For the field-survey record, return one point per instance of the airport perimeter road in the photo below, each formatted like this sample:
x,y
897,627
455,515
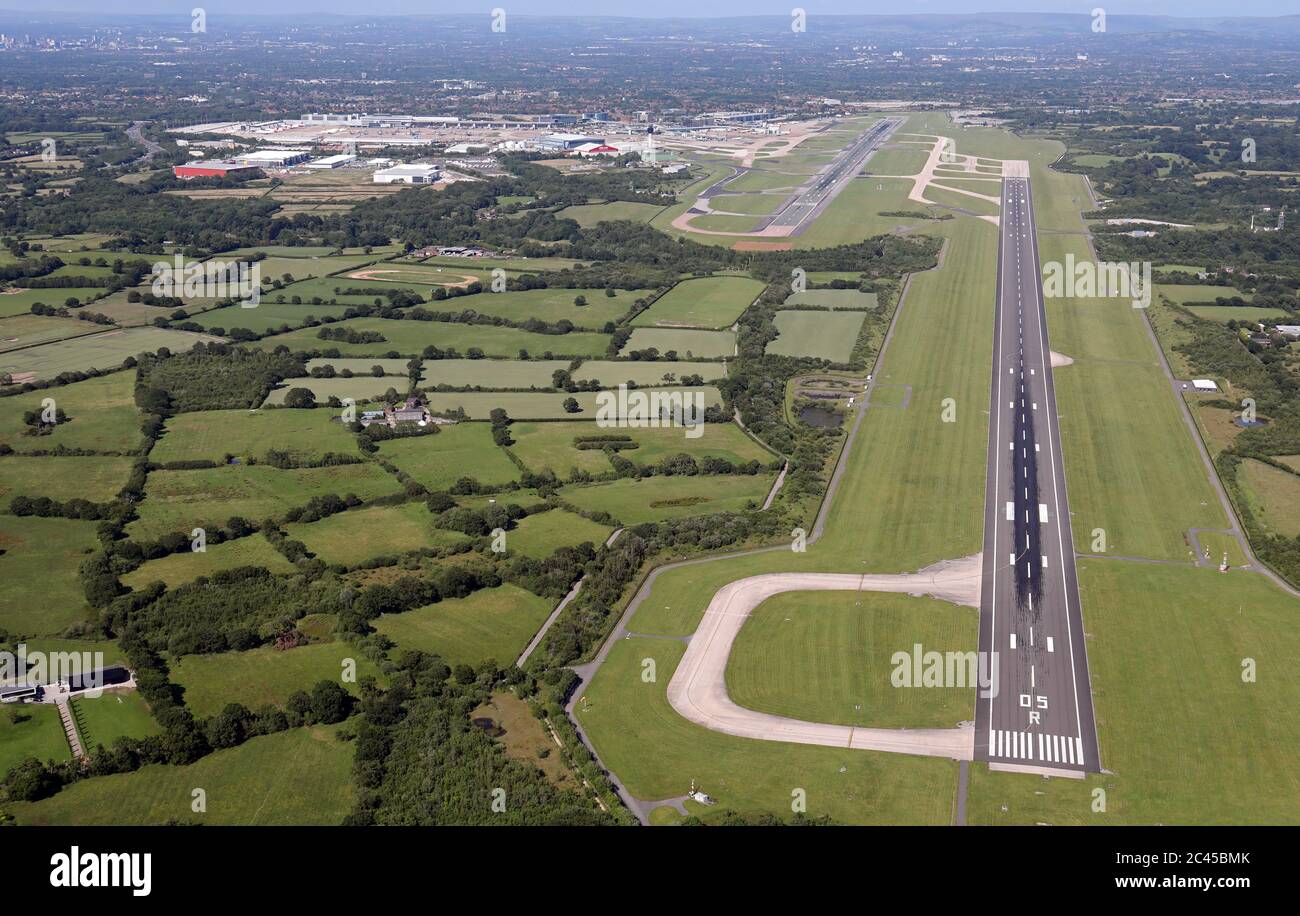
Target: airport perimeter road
x,y
1041,714
804,206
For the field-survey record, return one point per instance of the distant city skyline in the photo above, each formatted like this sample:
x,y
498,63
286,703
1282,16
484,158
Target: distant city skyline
x,y
665,8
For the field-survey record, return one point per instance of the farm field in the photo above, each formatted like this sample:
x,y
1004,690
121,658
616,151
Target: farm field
x,y
1194,292
537,373
462,450
653,499
213,434
543,446
207,497
106,350
541,406
42,593
263,675
349,538
702,302
22,331
655,751
835,299
682,343
409,338
104,719
612,373
1274,497
550,305
492,623
361,387
19,301
38,733
825,335
828,657
1248,313
590,214
299,777
178,568
361,365
543,533
266,318
62,478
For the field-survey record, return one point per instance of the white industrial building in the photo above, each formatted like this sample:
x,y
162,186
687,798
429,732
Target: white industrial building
x,y
271,158
407,174
332,162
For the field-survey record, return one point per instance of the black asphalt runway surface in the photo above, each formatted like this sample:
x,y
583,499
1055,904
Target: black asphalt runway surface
x,y
1040,714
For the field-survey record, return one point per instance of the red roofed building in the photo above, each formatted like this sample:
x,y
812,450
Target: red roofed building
x,y
212,170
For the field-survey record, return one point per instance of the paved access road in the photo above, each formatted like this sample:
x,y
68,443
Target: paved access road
x,y
1040,715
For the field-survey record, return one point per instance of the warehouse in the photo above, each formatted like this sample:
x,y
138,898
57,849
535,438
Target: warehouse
x,y
567,142
272,158
213,170
331,162
407,174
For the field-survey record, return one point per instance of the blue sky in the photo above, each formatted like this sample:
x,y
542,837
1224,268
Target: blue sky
x,y
662,8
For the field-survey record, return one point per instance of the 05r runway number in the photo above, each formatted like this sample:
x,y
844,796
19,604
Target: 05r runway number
x,y
1029,702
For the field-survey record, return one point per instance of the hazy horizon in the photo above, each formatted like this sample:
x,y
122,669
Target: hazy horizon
x,y
665,9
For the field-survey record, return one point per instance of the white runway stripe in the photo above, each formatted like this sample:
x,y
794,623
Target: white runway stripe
x,y
1009,745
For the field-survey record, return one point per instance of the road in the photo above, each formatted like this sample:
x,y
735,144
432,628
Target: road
x,y
1041,714
806,204
135,132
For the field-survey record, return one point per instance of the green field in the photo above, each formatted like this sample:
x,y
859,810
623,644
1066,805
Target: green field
x,y
835,299
359,388
543,533
104,719
42,592
536,373
409,338
349,538
541,406
267,317
1199,292
62,478
826,335
263,675
462,450
179,568
36,733
298,777
550,446
656,753
492,623
826,657
702,302
1249,313
101,416
182,500
549,305
29,330
653,499
17,301
213,434
106,350
1274,497
683,343
590,214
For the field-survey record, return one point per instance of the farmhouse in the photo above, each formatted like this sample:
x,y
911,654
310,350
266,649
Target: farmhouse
x,y
412,410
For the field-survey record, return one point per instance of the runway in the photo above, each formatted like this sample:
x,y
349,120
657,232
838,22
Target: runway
x,y
1041,714
807,203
